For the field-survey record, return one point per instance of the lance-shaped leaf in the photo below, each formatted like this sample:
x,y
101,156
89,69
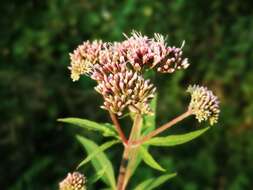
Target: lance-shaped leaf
x,y
105,129
97,176
99,161
149,160
173,140
152,183
99,149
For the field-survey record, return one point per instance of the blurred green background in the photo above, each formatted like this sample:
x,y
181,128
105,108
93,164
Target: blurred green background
x,y
36,152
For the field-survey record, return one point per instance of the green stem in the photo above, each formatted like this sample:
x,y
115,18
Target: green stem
x,y
129,155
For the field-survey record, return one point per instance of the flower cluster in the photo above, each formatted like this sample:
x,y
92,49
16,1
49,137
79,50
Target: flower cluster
x,y
73,181
117,67
143,52
204,104
126,89
84,58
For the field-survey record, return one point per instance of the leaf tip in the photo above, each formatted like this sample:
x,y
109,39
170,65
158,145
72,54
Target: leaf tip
x,y
79,137
60,119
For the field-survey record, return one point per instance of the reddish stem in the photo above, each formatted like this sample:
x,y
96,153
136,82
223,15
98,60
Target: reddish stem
x,y
118,128
162,128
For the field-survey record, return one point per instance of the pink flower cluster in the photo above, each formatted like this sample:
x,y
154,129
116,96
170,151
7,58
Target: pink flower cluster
x,y
117,67
126,89
143,52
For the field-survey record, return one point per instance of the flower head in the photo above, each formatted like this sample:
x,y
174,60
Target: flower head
x,y
84,57
117,69
126,90
136,50
204,104
140,51
110,62
143,52
170,58
73,181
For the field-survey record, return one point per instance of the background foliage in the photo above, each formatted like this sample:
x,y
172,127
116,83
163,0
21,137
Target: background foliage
x,y
36,36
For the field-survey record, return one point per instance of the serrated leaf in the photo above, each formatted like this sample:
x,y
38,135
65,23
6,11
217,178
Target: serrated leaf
x,y
152,183
99,161
99,149
173,140
106,129
149,160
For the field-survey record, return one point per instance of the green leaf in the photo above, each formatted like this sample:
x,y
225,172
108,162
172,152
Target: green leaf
x,y
99,161
99,149
149,160
97,176
152,183
106,130
160,180
173,140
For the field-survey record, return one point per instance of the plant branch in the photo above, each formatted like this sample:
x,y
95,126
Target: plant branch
x,y
129,155
161,129
122,169
135,134
118,128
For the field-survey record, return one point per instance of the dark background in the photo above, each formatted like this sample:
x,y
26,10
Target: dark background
x,y
36,152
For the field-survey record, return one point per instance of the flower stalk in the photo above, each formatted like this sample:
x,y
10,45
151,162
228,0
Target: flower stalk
x,y
118,128
129,155
161,129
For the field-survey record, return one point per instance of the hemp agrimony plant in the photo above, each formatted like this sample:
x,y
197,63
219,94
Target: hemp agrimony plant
x,y
118,69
